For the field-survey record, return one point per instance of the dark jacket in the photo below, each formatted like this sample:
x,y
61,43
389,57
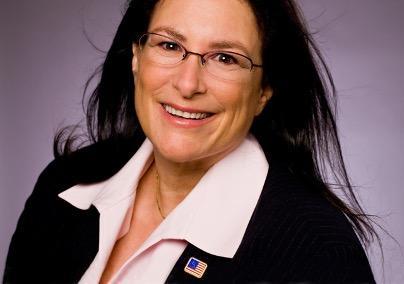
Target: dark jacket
x,y
294,235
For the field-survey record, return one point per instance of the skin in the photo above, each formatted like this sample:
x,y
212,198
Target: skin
x,y
183,152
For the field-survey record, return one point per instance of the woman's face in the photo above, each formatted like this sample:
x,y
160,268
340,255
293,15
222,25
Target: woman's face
x,y
230,106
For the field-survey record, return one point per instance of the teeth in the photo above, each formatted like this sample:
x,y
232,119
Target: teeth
x,y
184,114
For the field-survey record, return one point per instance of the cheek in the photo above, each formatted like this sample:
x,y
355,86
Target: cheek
x,y
238,99
151,76
148,78
148,82
143,97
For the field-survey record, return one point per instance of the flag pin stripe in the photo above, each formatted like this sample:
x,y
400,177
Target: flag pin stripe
x,y
195,267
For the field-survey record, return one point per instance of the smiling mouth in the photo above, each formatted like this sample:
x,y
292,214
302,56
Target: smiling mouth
x,y
185,114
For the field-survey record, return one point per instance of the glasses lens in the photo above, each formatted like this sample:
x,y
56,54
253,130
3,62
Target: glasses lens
x,y
227,65
162,50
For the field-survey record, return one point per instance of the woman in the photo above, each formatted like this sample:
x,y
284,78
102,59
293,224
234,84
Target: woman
x,y
212,131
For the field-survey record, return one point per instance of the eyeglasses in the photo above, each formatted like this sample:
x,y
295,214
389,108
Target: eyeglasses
x,y
166,51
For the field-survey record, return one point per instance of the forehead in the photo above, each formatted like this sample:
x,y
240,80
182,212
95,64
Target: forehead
x,y
201,21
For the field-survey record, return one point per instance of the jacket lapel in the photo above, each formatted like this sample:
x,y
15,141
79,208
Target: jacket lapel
x,y
74,233
75,243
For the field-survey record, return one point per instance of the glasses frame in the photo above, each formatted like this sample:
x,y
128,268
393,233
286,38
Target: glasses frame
x,y
201,55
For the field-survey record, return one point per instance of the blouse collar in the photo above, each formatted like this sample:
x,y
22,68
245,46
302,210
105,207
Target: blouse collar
x,y
213,216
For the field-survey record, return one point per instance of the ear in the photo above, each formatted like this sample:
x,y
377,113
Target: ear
x,y
265,96
135,58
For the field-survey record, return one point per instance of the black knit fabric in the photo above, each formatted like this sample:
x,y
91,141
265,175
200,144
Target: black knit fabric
x,y
294,235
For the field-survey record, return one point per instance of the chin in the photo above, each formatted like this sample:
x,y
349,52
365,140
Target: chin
x,y
182,150
178,153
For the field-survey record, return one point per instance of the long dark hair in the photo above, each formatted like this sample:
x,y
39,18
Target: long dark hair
x,y
297,126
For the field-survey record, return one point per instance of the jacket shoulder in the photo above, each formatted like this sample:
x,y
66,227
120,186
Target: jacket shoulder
x,y
50,228
92,163
295,234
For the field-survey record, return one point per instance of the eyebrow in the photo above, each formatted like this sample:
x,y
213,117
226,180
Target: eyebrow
x,y
222,44
225,44
170,31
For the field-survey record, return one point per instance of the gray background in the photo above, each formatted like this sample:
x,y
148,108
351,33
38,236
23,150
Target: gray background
x,y
45,60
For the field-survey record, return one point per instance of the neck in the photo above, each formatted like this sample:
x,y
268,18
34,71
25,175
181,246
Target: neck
x,y
176,180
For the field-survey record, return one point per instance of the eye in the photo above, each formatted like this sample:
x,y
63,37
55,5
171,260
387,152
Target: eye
x,y
169,46
225,58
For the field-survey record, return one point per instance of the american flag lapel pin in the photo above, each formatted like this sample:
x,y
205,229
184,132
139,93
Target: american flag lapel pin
x,y
195,267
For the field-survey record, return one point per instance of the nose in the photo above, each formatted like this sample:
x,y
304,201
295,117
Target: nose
x,y
189,80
